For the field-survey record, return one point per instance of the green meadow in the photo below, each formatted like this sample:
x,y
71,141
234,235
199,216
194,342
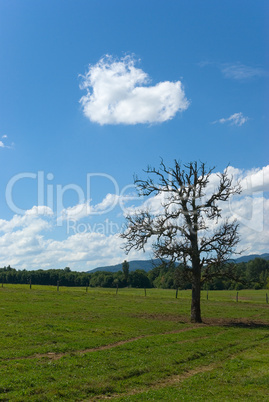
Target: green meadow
x,y
73,345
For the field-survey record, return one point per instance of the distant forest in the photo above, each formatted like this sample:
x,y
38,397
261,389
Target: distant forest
x,y
253,274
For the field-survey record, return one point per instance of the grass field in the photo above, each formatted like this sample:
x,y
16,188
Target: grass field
x,y
81,346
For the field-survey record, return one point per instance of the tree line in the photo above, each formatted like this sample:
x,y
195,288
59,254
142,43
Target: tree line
x,y
250,275
253,274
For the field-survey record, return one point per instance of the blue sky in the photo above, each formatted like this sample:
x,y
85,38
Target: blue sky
x,y
181,80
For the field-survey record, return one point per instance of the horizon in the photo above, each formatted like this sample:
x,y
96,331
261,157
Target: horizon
x,y
132,261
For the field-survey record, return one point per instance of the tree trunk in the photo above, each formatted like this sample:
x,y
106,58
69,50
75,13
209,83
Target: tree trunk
x,y
196,298
196,280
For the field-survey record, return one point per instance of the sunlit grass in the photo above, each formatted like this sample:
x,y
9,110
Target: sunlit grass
x,y
78,345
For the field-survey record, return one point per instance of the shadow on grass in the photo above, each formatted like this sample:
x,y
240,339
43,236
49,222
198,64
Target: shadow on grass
x,y
239,323
248,324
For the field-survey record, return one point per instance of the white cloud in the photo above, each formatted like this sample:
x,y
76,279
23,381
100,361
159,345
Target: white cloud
x,y
250,209
252,181
39,210
238,71
31,220
118,93
3,145
107,204
27,248
30,241
77,212
256,242
22,237
255,180
81,211
236,119
152,204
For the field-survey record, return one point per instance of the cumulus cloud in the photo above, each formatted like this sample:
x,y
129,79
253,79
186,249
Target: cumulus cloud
x,y
119,93
236,119
30,240
250,209
253,241
39,210
76,212
31,220
252,181
22,237
83,210
23,245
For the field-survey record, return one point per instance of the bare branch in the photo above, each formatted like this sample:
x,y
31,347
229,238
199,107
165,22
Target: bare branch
x,y
180,230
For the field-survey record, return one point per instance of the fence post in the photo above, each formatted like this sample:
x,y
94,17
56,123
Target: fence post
x,y
57,286
176,293
207,295
145,292
237,296
266,298
117,289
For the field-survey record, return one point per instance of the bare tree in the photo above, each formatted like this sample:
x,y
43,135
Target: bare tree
x,y
188,228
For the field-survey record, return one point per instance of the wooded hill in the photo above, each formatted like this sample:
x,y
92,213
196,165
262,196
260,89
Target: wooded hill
x,y
148,265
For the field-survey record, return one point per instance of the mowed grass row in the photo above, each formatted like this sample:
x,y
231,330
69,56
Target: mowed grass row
x,y
77,345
